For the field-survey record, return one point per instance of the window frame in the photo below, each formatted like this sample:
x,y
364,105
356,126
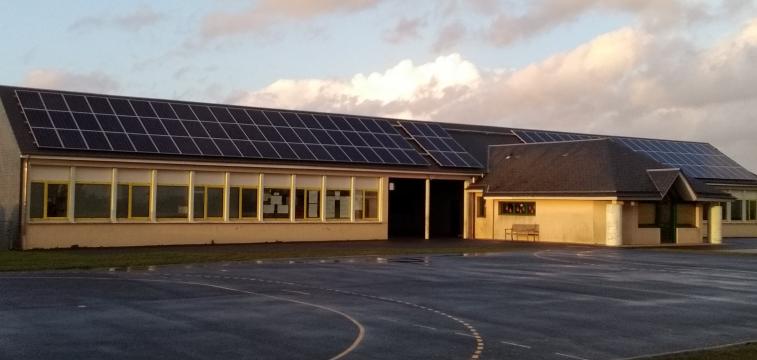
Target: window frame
x,y
205,216
480,206
110,200
305,217
44,199
501,207
349,203
240,204
155,199
364,202
289,205
129,197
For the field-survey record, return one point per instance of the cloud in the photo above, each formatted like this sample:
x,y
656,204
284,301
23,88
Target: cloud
x,y
405,29
265,13
449,36
134,21
542,16
60,79
618,83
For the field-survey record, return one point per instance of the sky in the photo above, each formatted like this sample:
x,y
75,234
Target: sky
x,y
651,68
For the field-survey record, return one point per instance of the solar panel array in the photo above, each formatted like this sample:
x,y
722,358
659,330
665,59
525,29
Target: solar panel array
x,y
699,160
439,145
106,123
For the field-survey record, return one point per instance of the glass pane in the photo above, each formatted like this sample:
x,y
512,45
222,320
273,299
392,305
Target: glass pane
x,y
57,200
299,204
736,210
371,205
215,202
199,202
249,203
122,201
92,201
171,201
314,204
234,202
276,203
140,201
37,201
647,214
357,204
752,211
685,215
338,204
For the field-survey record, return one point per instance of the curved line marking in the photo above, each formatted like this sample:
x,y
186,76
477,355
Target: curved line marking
x,y
343,353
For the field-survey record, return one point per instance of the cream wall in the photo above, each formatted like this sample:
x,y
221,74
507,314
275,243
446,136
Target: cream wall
x,y
569,221
632,233
95,235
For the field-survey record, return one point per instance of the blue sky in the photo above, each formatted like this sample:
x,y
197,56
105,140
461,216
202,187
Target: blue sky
x,y
676,69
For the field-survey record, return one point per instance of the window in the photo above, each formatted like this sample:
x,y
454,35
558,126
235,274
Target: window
x,y
208,202
751,210
517,208
133,201
92,201
276,203
647,214
737,212
171,201
480,206
48,200
366,205
307,204
338,204
686,215
243,203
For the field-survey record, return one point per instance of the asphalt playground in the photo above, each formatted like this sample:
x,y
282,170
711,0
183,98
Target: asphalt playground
x,y
561,302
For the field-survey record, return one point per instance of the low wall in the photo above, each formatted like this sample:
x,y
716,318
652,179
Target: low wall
x,y
43,236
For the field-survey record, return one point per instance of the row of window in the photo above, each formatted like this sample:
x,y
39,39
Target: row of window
x,y
738,210
661,214
49,200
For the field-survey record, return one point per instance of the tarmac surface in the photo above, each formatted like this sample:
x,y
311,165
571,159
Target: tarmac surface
x,y
557,302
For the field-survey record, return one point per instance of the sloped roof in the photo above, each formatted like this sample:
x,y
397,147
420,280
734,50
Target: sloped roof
x,y
585,168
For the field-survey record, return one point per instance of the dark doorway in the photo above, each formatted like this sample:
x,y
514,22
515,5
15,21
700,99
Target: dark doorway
x,y
666,220
407,200
446,209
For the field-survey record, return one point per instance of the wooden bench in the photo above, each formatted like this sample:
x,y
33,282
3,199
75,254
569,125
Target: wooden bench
x,y
529,230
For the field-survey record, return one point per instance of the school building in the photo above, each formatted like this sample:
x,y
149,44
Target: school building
x,y
95,170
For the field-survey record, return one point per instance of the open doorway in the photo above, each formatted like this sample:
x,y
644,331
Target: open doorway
x,y
407,208
446,216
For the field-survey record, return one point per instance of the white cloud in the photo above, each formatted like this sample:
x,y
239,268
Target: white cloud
x,y
405,29
60,79
627,82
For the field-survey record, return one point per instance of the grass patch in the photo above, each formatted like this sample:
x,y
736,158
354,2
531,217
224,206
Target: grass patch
x,y
137,257
735,352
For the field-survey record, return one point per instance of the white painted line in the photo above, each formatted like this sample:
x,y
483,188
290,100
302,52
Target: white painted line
x,y
463,334
424,327
570,356
296,292
515,344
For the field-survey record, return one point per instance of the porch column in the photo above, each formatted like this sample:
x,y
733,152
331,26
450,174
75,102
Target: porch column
x,y
427,214
714,230
614,224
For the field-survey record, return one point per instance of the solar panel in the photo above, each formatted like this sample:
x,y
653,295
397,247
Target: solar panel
x,y
699,160
439,145
107,123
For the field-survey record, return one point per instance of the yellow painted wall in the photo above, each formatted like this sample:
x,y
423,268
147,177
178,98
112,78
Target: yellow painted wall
x,y
743,229
569,221
107,234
